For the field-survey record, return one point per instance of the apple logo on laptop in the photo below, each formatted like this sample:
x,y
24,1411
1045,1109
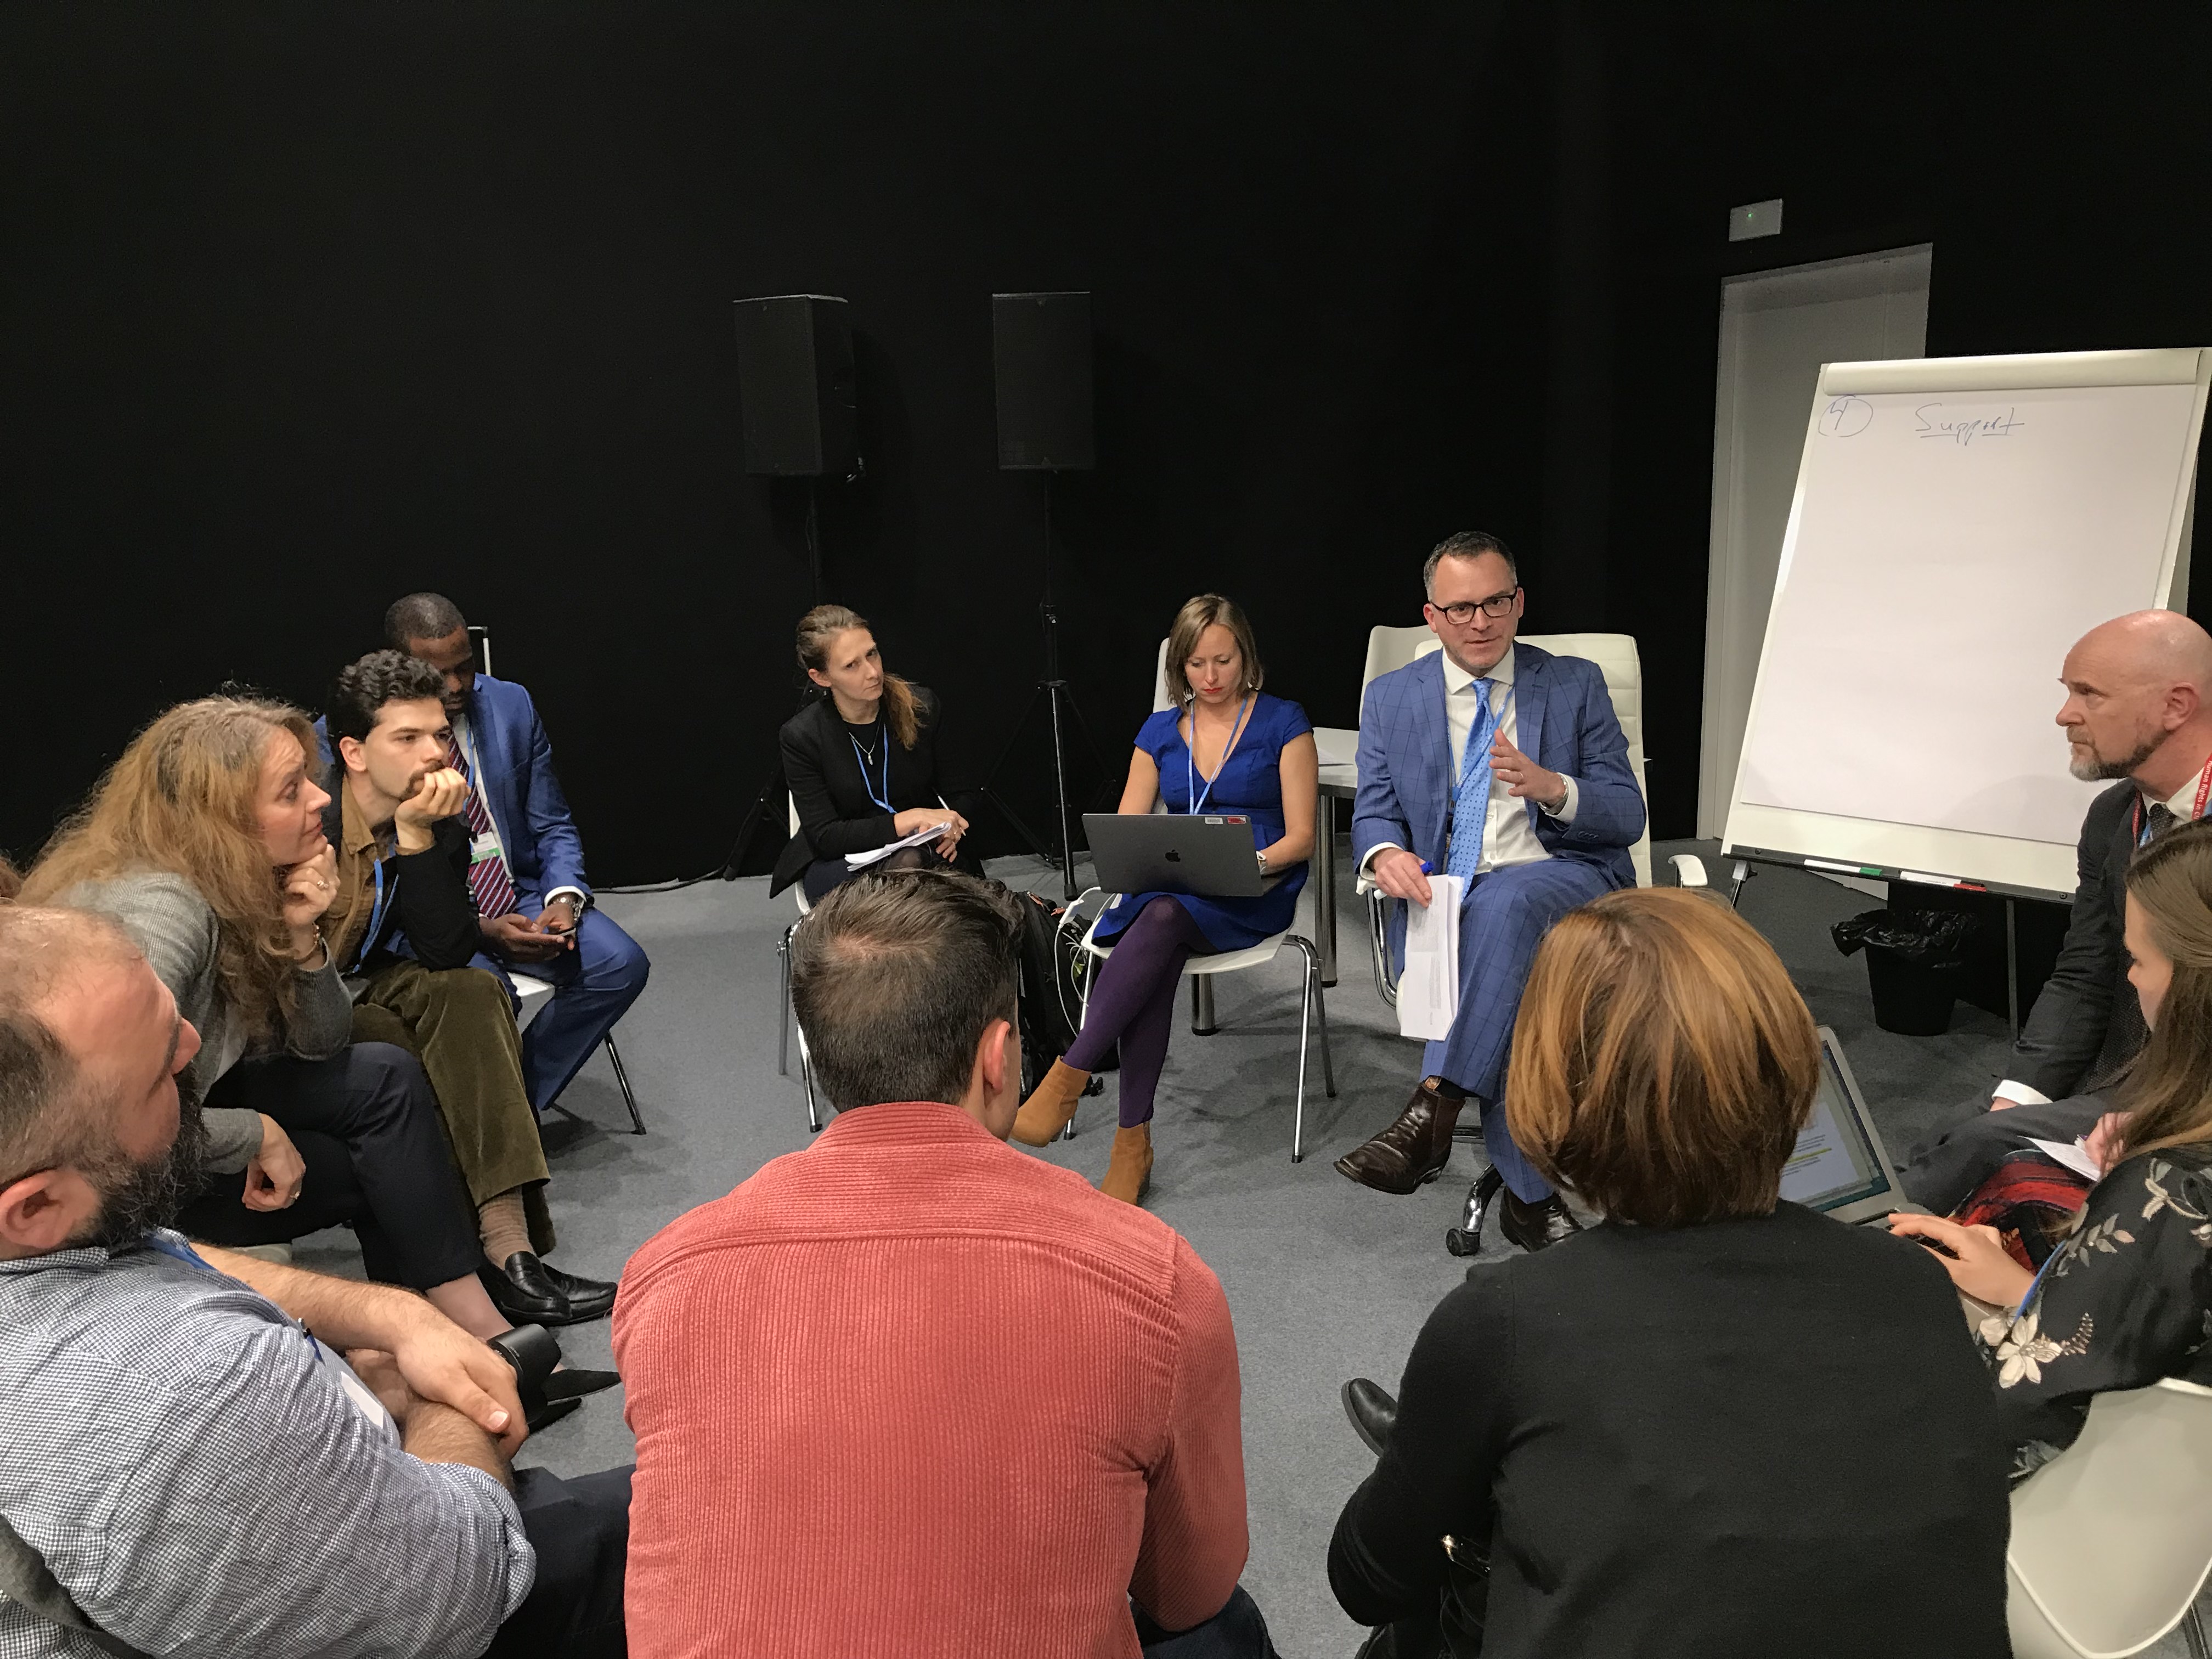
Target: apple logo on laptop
x,y
1173,857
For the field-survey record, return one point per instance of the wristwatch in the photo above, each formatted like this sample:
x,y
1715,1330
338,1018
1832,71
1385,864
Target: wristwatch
x,y
1263,863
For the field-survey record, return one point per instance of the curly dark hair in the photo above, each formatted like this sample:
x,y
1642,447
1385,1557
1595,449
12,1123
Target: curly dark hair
x,y
381,676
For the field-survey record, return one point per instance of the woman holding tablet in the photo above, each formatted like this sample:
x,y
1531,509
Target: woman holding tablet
x,y
861,763
1225,747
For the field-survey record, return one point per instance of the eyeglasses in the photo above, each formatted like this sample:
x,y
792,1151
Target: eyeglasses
x,y
1498,604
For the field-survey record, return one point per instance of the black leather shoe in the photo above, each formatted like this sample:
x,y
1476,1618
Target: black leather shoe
x,y
588,1298
521,1288
1536,1226
533,1351
1465,1239
1373,1413
1412,1151
575,1383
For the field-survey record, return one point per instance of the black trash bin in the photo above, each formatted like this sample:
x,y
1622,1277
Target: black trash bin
x,y
1913,962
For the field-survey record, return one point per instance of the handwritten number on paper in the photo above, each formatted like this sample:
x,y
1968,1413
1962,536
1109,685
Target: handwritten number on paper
x,y
1846,417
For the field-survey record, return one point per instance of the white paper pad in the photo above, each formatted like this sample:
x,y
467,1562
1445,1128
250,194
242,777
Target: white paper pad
x,y
1428,989
862,860
2074,1155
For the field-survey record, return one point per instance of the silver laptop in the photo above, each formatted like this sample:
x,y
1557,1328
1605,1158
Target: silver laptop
x,y
1840,1166
1209,856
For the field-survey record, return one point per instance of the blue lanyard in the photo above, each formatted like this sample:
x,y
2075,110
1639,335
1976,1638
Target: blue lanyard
x,y
867,783
1190,789
2036,1284
375,913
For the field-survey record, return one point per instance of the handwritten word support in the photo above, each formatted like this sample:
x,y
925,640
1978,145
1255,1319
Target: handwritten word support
x,y
1963,429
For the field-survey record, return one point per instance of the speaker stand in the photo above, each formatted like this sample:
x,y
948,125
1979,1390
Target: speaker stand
x,y
764,801
1063,712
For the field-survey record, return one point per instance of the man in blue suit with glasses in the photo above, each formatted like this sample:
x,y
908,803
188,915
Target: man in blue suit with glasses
x,y
526,871
1505,765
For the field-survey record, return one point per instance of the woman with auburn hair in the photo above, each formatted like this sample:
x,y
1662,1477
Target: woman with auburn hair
x,y
862,761
205,842
1222,745
1656,1436
2126,1298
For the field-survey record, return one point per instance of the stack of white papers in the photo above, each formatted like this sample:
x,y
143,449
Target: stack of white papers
x,y
877,854
2074,1156
1428,989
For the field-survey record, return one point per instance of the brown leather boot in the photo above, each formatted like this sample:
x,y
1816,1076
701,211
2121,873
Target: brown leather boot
x,y
1129,1171
1050,1104
1412,1151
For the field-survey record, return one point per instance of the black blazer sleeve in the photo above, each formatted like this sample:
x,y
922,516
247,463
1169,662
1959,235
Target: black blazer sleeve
x,y
2065,1030
433,902
1387,1559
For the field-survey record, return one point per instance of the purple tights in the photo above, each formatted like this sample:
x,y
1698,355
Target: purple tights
x,y
1134,1002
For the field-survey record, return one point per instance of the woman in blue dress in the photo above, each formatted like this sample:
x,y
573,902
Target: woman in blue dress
x,y
1225,747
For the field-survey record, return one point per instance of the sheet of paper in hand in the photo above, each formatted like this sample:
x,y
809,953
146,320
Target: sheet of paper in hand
x,y
877,854
1428,988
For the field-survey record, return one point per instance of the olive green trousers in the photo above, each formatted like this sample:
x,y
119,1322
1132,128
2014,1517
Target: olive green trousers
x,y
459,1023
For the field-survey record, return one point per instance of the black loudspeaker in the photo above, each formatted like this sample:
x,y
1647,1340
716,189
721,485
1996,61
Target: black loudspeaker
x,y
1040,353
795,380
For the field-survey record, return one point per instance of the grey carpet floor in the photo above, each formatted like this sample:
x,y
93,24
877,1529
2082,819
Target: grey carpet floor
x,y
1326,1279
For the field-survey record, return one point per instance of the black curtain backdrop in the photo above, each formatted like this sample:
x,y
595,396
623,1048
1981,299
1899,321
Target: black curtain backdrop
x,y
303,307
309,307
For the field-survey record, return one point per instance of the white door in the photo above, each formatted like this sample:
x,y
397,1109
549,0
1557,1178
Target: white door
x,y
1777,328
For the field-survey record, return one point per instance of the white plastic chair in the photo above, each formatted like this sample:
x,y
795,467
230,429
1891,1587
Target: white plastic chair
x,y
2111,1540
1313,1006
786,1026
530,992
1391,648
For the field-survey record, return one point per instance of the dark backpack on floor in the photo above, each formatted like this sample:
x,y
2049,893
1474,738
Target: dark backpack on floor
x,y
1054,968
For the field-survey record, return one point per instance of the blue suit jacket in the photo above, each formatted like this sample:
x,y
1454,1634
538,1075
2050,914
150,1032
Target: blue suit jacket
x,y
1563,720
543,850
520,790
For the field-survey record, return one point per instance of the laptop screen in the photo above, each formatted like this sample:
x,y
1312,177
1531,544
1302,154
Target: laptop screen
x,y
1834,1163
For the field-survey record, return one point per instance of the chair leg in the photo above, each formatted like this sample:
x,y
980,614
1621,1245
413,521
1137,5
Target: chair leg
x,y
1082,1017
1321,1012
1306,989
1378,949
622,1077
1201,1006
783,1030
806,1081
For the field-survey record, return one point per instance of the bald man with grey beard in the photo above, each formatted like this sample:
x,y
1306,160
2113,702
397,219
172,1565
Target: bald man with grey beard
x,y
2139,710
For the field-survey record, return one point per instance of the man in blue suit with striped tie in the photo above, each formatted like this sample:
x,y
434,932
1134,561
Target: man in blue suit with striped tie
x,y
527,874
1506,765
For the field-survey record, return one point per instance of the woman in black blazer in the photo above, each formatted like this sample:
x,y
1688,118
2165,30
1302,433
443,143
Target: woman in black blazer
x,y
1716,1423
861,763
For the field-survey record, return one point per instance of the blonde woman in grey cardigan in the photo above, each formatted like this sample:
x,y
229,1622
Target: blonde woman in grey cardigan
x,y
205,842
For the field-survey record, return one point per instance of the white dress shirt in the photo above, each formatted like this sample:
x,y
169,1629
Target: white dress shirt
x,y
1507,837
2182,803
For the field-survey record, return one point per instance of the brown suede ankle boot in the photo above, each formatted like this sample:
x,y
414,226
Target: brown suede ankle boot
x,y
1129,1171
1050,1104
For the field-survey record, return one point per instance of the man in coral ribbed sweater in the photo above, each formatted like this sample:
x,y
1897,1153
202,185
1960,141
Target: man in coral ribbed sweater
x,y
909,1391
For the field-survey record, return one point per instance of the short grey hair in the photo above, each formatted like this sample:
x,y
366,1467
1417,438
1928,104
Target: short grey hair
x,y
1466,544
894,977
46,1120
420,616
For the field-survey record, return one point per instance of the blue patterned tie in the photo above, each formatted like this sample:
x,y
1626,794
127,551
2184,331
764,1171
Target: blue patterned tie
x,y
1470,806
